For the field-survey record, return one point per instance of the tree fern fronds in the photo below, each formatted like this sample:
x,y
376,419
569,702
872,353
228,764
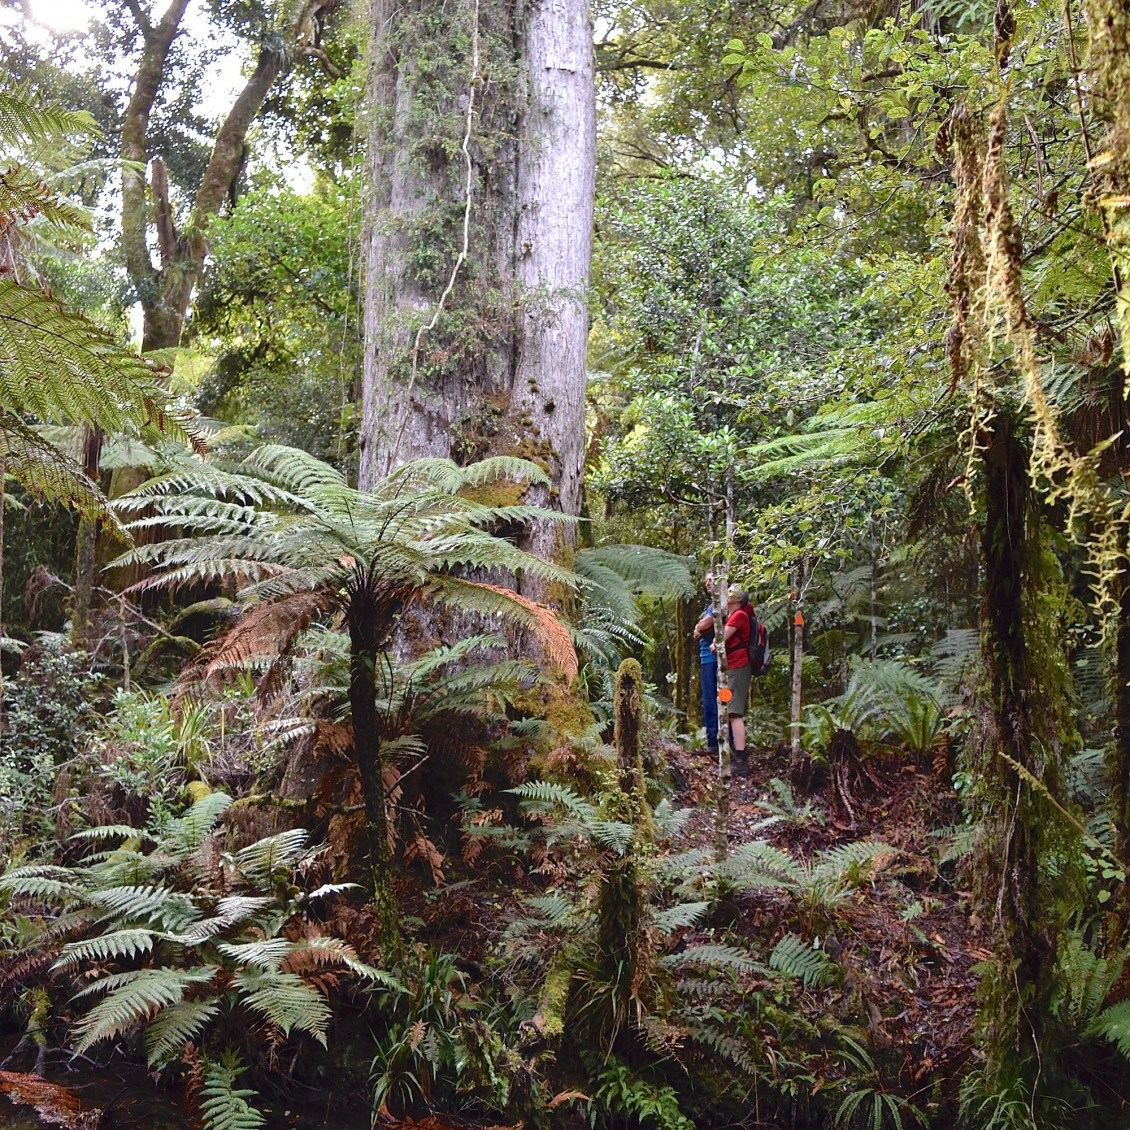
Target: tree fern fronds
x,y
669,820
725,1046
45,470
719,957
42,882
286,1000
171,909
175,1026
266,954
547,794
493,600
614,834
104,947
802,961
850,863
188,832
111,831
504,467
259,861
223,1106
554,907
645,568
1114,1024
296,471
681,916
24,196
326,950
131,997
327,889
265,632
91,378
230,911
759,864
24,119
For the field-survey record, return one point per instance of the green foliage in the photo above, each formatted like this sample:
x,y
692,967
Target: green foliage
x,y
211,954
803,961
224,1106
622,1093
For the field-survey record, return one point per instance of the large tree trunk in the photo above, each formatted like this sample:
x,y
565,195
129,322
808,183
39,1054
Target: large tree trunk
x,y
502,370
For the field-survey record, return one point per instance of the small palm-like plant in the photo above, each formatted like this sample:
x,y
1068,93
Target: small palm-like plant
x,y
300,541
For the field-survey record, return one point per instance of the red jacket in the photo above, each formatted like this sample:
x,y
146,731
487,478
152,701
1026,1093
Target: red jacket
x,y
737,646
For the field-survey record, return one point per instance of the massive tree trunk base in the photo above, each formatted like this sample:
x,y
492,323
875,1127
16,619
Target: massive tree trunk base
x,y
503,369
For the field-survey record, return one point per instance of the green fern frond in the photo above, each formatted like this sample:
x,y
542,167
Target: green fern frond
x,y
1114,1024
267,954
111,832
545,795
286,1000
847,863
169,909
187,833
718,957
644,568
679,917
105,947
759,864
230,911
175,1026
24,119
802,961
259,861
555,908
224,1106
132,997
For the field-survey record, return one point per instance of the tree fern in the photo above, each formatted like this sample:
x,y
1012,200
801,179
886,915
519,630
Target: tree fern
x,y
680,916
260,861
223,1106
715,956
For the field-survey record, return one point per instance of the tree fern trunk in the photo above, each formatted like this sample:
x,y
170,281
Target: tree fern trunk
x,y
365,639
86,553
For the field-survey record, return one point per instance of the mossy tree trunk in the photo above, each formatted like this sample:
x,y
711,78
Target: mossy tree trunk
x,y
1017,746
503,369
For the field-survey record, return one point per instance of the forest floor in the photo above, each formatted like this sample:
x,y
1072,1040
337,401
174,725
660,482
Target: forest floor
x,y
905,937
907,940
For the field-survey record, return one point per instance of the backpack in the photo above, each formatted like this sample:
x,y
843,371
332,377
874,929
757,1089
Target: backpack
x,y
759,656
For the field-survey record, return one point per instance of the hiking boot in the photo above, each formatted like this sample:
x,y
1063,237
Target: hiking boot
x,y
739,767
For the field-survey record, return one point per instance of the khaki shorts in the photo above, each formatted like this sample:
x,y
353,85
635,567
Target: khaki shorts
x,y
737,678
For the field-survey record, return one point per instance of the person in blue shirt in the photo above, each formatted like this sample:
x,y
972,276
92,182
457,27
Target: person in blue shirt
x,y
708,670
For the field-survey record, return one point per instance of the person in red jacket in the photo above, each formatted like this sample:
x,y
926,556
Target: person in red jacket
x,y
739,629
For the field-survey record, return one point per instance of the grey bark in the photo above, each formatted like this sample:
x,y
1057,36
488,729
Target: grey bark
x,y
515,382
